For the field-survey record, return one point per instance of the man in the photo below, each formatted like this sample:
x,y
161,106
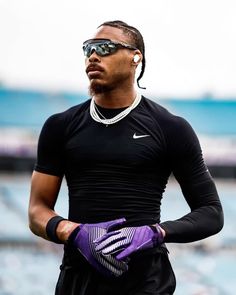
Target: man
x,y
117,151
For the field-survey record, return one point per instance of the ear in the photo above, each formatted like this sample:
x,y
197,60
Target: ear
x,y
137,57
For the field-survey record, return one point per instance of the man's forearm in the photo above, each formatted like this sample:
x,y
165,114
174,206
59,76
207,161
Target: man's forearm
x,y
199,224
38,219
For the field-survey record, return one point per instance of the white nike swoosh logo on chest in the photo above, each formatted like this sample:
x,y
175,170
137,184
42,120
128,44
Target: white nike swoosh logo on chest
x,y
140,136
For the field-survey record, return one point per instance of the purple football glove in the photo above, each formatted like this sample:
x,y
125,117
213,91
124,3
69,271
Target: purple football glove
x,y
129,240
83,239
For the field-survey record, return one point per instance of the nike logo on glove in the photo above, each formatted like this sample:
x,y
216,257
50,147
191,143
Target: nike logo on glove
x,y
140,136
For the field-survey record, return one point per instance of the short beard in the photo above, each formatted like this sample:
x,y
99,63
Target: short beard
x,y
95,88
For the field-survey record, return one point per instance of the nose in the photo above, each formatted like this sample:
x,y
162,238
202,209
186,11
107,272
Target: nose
x,y
94,57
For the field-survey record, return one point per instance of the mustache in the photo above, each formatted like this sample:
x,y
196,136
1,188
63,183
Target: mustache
x,y
94,67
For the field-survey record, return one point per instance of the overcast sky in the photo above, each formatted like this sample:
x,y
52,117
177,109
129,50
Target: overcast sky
x,y
190,44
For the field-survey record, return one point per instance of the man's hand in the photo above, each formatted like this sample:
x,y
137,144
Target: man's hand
x,y
83,239
129,240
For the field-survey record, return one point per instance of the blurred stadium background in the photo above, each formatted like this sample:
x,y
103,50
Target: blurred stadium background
x,y
30,265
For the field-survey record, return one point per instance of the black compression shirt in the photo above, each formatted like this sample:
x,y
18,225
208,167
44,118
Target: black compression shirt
x,y
122,170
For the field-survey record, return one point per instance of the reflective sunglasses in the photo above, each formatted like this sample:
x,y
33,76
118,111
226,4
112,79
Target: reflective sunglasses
x,y
103,47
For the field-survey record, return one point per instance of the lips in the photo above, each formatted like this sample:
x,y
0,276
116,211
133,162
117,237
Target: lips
x,y
93,69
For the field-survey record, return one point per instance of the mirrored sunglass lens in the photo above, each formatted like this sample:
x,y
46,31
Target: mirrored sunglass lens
x,y
100,48
87,50
108,48
104,48
112,47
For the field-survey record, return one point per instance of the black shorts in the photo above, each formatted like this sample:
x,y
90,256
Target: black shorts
x,y
150,273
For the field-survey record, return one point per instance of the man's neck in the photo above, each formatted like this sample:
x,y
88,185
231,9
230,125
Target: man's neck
x,y
115,98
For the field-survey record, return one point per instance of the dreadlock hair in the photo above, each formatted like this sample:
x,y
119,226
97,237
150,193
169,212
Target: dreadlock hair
x,y
136,39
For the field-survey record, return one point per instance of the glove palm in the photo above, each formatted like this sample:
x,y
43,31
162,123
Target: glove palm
x,y
83,237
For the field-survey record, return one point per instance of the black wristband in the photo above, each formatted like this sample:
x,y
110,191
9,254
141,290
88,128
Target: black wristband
x,y
51,228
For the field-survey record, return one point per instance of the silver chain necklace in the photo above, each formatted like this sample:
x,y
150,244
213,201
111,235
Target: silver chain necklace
x,y
94,112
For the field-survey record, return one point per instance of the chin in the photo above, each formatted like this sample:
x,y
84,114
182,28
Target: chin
x,y
97,88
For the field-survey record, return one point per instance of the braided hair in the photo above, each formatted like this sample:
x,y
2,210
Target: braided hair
x,y
136,38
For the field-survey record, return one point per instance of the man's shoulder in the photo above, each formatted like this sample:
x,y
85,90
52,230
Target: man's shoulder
x,y
76,109
158,110
62,119
71,112
166,118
